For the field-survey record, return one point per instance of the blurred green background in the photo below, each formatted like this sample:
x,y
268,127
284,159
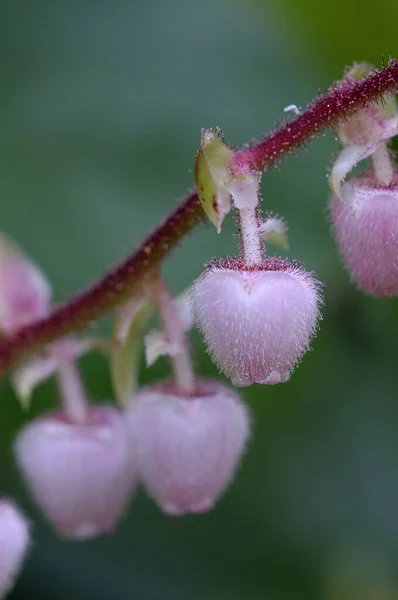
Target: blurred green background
x,y
101,106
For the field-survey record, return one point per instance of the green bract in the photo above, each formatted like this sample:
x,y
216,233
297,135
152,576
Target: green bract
x,y
212,176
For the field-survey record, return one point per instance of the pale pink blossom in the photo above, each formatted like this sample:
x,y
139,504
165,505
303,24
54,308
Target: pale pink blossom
x,y
25,294
365,222
14,542
257,322
187,447
81,475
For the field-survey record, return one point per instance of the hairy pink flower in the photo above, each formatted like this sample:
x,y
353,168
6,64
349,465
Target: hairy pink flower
x,y
81,475
365,222
14,542
256,322
187,447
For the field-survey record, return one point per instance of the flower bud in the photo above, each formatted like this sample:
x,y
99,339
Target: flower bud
x,y
257,322
81,475
14,542
187,448
25,294
365,222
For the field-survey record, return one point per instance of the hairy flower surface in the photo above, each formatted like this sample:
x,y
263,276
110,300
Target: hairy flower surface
x,y
256,322
187,447
365,222
81,475
14,542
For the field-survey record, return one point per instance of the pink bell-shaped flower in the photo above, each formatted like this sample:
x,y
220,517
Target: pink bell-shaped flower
x,y
25,294
187,447
14,542
256,321
365,222
80,474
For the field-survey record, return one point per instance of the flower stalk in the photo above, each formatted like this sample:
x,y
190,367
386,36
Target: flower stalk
x,y
175,335
252,245
71,391
382,165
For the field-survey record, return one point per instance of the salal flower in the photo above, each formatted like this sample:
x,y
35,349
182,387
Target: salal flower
x,y
365,223
188,447
25,294
14,543
256,321
80,474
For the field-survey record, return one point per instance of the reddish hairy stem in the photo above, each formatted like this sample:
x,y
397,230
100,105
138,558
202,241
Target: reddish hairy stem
x,y
125,280
341,102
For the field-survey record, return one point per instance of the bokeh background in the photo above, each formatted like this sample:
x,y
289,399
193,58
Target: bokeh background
x,y
101,106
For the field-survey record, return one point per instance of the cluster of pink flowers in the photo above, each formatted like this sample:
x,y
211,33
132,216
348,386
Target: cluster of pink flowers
x,y
183,438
